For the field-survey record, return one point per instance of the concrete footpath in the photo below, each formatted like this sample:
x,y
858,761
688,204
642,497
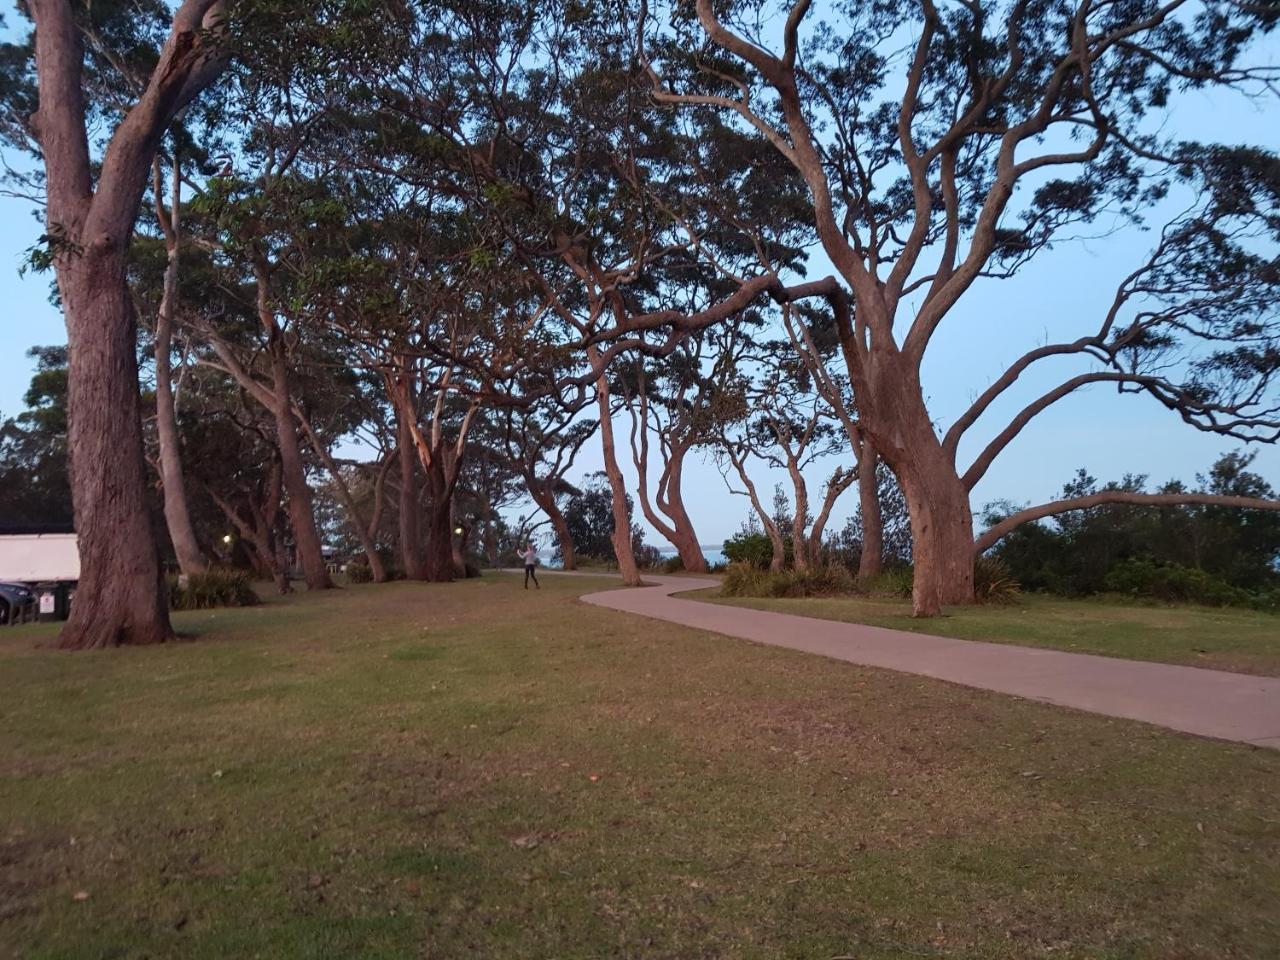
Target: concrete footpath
x,y
1210,703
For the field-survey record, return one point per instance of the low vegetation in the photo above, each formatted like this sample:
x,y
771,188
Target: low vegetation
x,y
465,770
218,587
993,584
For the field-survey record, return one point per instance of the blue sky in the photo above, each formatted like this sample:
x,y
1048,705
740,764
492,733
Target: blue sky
x,y
1058,296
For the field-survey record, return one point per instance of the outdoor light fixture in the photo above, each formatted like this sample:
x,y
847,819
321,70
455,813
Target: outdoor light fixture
x,y
458,531
226,538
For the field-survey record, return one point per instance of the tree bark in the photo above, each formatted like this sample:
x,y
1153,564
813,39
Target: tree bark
x,y
439,566
799,543
120,597
671,502
621,537
301,509
941,522
410,524
177,516
871,560
302,516
679,532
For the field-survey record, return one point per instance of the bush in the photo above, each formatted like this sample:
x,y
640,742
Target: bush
x,y
359,571
742,579
647,557
1173,583
752,548
217,588
993,583
672,565
895,583
745,580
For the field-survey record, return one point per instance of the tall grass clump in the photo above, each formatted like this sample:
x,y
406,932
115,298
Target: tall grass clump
x,y
993,583
219,587
747,580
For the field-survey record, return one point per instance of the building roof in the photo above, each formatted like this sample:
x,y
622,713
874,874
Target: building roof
x,y
32,529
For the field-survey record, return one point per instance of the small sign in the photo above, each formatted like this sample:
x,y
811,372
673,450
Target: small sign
x,y
47,603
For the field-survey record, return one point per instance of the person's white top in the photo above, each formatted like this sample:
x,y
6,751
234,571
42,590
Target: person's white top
x,y
529,555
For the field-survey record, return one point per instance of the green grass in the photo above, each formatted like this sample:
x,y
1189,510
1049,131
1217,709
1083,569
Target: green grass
x,y
1226,638
470,770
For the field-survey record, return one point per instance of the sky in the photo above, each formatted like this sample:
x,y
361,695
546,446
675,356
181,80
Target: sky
x,y
1059,296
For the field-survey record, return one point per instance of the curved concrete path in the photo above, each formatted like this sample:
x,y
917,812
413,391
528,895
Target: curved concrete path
x,y
1210,703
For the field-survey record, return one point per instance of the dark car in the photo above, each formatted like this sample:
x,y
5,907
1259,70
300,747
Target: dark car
x,y
17,603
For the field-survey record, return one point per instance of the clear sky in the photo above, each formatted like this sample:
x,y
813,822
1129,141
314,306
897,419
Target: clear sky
x,y
1059,296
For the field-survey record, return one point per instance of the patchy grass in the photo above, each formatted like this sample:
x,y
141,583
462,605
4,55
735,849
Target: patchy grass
x,y
1226,638
470,770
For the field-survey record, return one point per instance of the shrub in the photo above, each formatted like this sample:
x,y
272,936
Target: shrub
x,y
993,583
743,579
1173,583
647,557
894,583
672,565
219,587
359,571
747,580
752,548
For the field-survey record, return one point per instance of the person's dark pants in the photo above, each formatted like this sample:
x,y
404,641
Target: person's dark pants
x,y
528,572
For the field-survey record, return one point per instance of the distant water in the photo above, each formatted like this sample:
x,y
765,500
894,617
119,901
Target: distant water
x,y
713,554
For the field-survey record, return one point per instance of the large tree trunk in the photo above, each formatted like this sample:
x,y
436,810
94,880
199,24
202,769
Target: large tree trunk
x,y
682,534
177,516
679,532
941,522
622,546
302,516
870,562
439,567
301,510
182,534
799,542
120,597
410,525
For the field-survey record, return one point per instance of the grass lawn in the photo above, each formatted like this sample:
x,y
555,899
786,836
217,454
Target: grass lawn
x,y
1244,641
470,770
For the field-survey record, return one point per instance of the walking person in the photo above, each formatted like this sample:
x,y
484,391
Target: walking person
x,y
530,556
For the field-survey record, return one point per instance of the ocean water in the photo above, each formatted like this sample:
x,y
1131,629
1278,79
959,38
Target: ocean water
x,y
713,553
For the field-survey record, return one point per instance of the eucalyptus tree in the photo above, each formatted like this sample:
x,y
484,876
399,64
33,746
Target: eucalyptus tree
x,y
126,70
1003,129
813,335
674,401
255,226
542,441
167,312
550,137
781,420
